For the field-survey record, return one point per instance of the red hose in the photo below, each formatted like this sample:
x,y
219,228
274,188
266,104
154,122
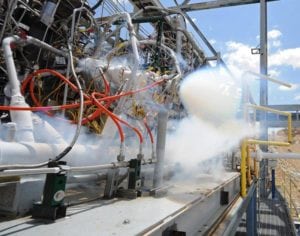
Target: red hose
x,y
89,101
148,130
112,115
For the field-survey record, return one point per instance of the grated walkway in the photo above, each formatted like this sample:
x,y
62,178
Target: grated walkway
x,y
272,219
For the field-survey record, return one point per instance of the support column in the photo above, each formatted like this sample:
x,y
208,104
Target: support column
x,y
263,91
273,184
160,148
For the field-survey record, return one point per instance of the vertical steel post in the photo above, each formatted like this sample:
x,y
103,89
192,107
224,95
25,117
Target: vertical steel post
x,y
273,183
263,90
283,184
251,223
290,193
160,148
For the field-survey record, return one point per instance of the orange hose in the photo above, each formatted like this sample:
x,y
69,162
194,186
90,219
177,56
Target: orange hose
x,y
89,101
112,115
148,130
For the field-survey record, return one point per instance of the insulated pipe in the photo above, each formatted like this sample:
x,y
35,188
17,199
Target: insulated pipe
x,y
22,119
10,65
27,153
160,148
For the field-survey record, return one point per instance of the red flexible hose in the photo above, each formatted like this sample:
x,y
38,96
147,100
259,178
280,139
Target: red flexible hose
x,y
148,130
89,101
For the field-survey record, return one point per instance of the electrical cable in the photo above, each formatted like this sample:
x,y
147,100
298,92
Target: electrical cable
x,y
80,114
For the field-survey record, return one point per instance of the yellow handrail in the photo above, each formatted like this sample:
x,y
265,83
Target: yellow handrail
x,y
284,113
244,147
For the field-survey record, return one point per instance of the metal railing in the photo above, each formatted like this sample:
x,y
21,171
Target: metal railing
x,y
245,153
288,186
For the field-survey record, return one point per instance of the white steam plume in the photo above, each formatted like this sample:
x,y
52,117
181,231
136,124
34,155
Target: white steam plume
x,y
211,128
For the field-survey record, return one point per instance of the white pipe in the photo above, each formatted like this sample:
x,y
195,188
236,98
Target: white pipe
x,y
9,60
268,155
267,77
30,153
45,132
10,65
22,119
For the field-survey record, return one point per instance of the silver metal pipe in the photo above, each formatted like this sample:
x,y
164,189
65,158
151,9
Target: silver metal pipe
x,y
22,172
98,167
160,148
86,178
131,84
67,169
44,45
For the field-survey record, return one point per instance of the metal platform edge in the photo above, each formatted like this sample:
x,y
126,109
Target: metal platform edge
x,y
199,216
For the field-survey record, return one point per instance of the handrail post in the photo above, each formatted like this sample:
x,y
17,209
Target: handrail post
x,y
243,168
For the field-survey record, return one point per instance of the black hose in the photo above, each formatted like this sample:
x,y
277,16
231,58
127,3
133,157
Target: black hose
x,y
96,5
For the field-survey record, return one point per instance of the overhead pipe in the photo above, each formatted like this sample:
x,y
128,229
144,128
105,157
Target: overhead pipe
x,y
267,77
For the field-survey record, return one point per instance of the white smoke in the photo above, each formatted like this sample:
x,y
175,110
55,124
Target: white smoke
x,y
211,128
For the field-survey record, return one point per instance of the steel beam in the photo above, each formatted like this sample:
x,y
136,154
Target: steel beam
x,y
263,91
215,4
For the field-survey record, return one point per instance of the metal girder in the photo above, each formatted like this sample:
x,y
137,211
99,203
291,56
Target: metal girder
x,y
215,4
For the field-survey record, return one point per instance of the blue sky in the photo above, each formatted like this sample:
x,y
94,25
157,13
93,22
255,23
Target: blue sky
x,y
233,31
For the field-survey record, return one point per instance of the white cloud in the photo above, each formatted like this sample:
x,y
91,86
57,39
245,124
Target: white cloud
x,y
273,38
239,58
284,88
212,41
274,73
274,34
297,97
286,57
276,43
